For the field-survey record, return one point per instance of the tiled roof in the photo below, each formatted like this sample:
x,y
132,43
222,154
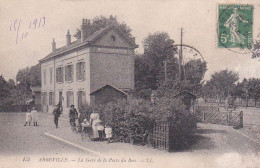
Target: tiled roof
x,y
88,40
107,86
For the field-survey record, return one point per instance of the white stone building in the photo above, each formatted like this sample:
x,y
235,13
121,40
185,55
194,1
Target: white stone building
x,y
71,73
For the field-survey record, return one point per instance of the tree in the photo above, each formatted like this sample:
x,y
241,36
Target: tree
x,y
221,84
35,75
5,94
248,88
256,49
158,47
5,89
23,84
30,75
25,78
241,89
102,22
11,83
194,73
253,87
144,74
158,68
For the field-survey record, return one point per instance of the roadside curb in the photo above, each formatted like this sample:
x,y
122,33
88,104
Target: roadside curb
x,y
246,136
13,113
74,145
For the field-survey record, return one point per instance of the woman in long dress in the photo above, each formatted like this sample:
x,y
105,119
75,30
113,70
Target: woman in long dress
x,y
94,118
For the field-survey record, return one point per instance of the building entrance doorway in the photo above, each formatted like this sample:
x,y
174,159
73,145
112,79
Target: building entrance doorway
x,y
80,98
60,97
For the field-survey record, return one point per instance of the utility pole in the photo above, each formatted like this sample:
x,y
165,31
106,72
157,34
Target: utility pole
x,y
165,72
180,58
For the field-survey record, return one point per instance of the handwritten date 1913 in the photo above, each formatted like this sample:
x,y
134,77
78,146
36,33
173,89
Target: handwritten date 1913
x,y
16,26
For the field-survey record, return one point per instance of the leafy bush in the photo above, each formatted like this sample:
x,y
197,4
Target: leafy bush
x,y
85,110
114,114
166,107
133,121
139,120
182,130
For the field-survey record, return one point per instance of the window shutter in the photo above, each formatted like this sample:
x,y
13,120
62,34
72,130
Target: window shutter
x,y
49,98
77,70
57,74
72,98
84,101
67,95
72,74
44,76
52,102
42,100
83,71
66,73
62,78
50,75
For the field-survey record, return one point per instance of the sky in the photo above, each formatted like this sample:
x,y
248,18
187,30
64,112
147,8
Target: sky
x,y
24,45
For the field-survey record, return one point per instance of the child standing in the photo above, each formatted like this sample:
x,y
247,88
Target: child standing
x,y
34,116
28,118
100,129
108,132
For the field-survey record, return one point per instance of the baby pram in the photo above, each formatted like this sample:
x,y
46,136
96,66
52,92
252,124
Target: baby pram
x,y
86,130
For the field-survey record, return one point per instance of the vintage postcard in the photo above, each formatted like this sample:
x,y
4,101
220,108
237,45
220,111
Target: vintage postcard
x,y
110,83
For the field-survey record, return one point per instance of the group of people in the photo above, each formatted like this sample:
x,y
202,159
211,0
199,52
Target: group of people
x,y
31,117
98,129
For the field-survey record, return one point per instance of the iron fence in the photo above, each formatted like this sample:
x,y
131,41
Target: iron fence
x,y
231,118
166,135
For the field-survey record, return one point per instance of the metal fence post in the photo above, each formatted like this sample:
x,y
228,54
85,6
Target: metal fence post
x,y
241,119
168,140
229,117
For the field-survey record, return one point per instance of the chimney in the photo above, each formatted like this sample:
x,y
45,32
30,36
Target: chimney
x,y
83,29
86,29
68,37
53,45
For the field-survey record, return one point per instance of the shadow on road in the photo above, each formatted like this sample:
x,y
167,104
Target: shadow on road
x,y
211,131
201,140
198,142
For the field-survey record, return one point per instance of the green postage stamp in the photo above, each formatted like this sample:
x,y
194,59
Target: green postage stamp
x,y
235,26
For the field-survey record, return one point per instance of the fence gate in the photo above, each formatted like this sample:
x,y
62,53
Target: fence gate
x,y
161,136
224,118
164,134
